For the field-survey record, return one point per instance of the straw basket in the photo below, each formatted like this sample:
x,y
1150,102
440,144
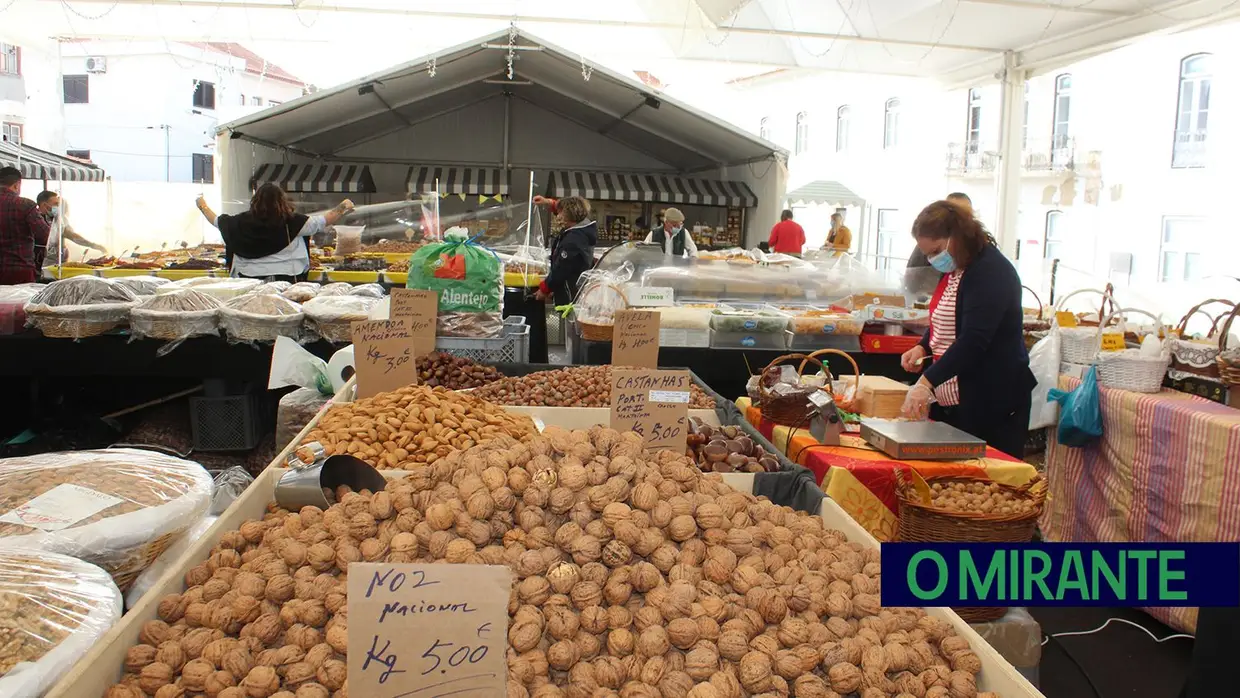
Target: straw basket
x,y
1228,359
1195,357
1080,344
923,523
170,326
598,332
846,405
248,327
1129,369
336,330
78,321
1035,329
794,409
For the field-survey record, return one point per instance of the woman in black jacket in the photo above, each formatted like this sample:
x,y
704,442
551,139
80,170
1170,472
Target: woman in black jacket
x,y
980,378
572,251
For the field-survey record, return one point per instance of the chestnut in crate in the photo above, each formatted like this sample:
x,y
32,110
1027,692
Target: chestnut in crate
x,y
727,450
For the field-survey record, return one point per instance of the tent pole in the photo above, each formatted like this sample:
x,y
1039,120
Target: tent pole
x,y
529,214
1011,126
508,127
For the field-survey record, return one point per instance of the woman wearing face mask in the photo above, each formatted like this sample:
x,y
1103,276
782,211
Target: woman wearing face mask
x,y
572,251
979,377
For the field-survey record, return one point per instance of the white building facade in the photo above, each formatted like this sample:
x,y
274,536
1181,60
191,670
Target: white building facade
x,y
30,91
147,111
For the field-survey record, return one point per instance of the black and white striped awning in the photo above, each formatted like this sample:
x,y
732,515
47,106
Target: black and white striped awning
x,y
483,181
40,164
661,188
307,179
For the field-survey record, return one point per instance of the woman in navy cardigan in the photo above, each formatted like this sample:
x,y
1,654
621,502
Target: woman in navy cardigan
x,y
979,378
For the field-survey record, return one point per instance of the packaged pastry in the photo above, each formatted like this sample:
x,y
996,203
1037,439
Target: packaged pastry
x,y
81,306
176,315
332,316
302,291
261,317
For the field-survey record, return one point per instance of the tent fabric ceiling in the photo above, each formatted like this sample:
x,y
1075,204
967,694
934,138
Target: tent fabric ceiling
x,y
329,123
40,164
824,191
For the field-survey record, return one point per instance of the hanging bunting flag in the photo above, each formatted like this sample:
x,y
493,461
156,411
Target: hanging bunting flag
x,y
462,196
499,198
482,198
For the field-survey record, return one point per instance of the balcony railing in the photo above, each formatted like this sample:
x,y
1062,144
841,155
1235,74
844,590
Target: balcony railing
x,y
976,157
1189,149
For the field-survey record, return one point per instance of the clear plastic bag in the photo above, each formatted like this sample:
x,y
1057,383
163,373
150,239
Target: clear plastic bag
x,y
601,295
78,307
331,316
55,608
142,285
261,318
221,289
116,508
368,291
339,288
146,581
276,287
295,412
175,316
1044,360
469,281
348,239
302,291
229,485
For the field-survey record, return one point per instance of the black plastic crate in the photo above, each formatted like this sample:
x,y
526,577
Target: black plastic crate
x,y
228,423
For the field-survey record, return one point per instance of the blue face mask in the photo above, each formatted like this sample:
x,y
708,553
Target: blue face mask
x,y
55,211
943,262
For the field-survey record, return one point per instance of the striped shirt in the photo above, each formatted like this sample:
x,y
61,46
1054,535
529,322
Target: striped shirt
x,y
943,335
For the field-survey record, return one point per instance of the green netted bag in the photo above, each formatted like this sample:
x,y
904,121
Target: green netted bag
x,y
469,280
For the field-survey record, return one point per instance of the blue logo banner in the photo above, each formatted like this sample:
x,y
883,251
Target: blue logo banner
x,y
1061,574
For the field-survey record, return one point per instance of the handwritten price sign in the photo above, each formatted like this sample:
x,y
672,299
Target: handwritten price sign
x,y
636,339
428,630
382,356
421,309
652,403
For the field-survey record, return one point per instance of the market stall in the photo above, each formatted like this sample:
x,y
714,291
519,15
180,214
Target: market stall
x,y
1163,470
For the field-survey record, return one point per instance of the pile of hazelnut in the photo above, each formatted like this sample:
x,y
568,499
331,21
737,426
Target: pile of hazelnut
x,y
979,497
575,386
636,575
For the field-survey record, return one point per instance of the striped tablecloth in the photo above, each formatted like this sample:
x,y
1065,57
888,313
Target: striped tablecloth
x,y
862,480
1167,468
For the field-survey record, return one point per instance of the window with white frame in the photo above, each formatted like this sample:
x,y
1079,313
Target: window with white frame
x,y
204,94
843,117
10,59
1185,244
1192,111
973,126
1053,236
891,123
1062,115
1024,132
764,130
203,168
11,133
802,141
256,101
885,222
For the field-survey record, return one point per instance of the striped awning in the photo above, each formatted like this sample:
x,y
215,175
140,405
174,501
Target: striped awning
x,y
309,179
826,192
40,164
661,188
484,181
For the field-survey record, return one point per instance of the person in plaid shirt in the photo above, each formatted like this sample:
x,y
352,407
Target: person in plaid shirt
x,y
22,227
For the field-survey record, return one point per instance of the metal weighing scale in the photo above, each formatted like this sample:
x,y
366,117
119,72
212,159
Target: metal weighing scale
x,y
923,440
825,424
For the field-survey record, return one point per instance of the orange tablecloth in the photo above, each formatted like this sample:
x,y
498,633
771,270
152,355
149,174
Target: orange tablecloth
x,y
862,480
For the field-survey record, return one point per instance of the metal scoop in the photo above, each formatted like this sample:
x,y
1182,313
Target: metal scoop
x,y
303,484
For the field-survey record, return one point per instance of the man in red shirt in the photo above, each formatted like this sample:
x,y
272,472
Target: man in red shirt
x,y
22,227
787,237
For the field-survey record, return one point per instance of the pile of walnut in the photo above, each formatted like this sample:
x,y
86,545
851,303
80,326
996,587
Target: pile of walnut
x,y
413,426
635,576
979,497
454,372
576,386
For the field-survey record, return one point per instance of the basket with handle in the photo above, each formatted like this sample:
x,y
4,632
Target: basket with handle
x,y
597,331
1228,358
1197,357
840,401
791,407
1130,369
1080,344
922,522
1035,328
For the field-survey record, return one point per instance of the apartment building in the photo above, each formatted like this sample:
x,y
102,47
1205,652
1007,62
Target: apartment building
x,y
30,91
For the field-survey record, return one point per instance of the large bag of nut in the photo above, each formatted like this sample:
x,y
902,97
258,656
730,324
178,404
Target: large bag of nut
x,y
54,608
469,280
117,508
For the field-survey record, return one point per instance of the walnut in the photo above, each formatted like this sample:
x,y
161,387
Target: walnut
x,y
332,674
563,655
238,662
170,691
653,641
810,686
217,682
844,678
313,690
172,654
138,657
755,672
682,528
683,632
734,645
621,643
195,673
704,690
154,676
702,662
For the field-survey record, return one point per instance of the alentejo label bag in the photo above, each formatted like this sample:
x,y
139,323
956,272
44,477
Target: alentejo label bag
x,y
469,280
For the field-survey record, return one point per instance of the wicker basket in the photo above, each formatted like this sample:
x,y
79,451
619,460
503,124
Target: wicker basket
x,y
247,327
1196,358
172,326
922,523
795,409
1080,344
1228,359
78,321
1129,369
598,332
846,405
336,331
1035,329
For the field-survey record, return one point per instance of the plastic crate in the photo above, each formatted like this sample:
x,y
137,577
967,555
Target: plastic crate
x,y
555,327
512,346
230,423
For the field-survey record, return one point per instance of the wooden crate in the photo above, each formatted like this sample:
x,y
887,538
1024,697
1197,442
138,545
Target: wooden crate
x,y
879,396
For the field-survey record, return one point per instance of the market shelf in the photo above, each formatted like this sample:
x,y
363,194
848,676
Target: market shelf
x,y
354,277
112,273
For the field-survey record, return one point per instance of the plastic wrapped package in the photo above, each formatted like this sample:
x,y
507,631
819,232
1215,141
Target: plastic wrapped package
x,y
601,295
228,485
1017,636
348,239
339,288
295,412
368,291
761,321
81,306
332,316
272,287
302,291
815,321
141,285
13,301
683,318
146,581
54,609
116,508
221,289
176,316
261,318
469,281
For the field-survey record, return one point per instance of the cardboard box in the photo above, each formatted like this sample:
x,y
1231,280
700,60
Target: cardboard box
x,y
878,396
858,301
